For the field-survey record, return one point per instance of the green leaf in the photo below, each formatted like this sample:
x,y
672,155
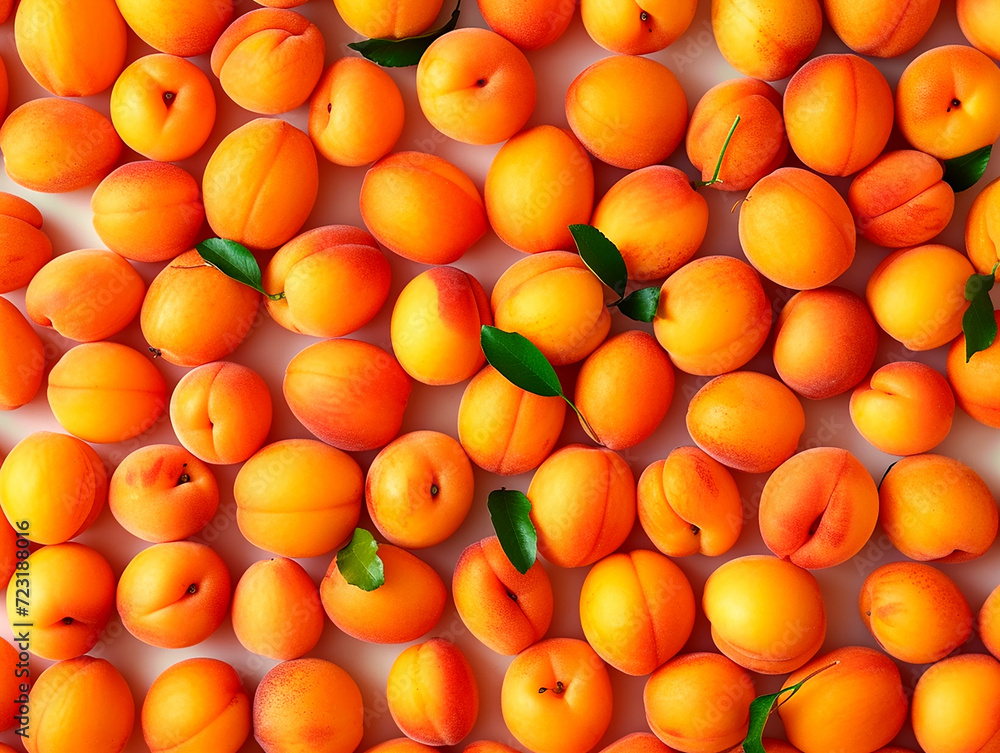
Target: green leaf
x,y
359,562
601,256
641,305
510,512
520,362
979,323
234,260
401,53
964,172
722,156
763,706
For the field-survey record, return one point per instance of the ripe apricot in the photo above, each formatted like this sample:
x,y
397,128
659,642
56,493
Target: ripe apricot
x,y
10,688
977,25
982,229
988,622
531,25
766,39
486,746
616,25
8,557
882,29
24,247
397,21
406,745
185,29
956,704
637,742
22,358
974,380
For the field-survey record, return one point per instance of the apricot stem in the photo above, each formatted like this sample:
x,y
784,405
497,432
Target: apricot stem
x,y
559,689
722,155
795,688
583,419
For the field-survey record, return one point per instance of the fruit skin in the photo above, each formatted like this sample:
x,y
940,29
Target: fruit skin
x,y
531,25
881,29
22,358
982,229
11,689
973,381
398,21
616,26
976,22
988,622
766,39
637,742
955,704
24,247
406,745
183,29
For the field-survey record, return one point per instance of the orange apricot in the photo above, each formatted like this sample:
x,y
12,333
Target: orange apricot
x,y
22,358
24,247
616,25
982,229
531,25
14,685
406,745
956,705
976,22
9,545
882,29
184,29
773,745
373,18
766,39
485,746
637,742
988,622
974,380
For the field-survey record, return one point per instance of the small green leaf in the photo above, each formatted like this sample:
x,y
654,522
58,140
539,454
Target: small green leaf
x,y
520,362
359,562
763,706
601,256
964,172
979,323
722,156
401,53
641,305
234,260
510,512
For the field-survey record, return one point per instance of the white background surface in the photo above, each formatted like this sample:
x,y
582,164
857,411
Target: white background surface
x,y
698,64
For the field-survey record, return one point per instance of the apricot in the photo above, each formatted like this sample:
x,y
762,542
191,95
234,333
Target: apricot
x,y
988,622
8,558
276,610
505,609
532,25
106,392
422,207
221,412
163,493
976,24
937,509
85,295
261,183
982,229
656,220
436,323
432,693
688,503
771,220
916,612
81,699
504,429
163,107
917,295
397,21
269,60
699,703
905,408
766,39
58,145
630,112
349,393
539,183
901,200
767,614
196,704
406,745
408,605
6,8
863,691
556,697
356,113
747,421
298,498
617,27
881,29
948,101
773,745
11,688
24,247
174,595
193,313
179,27
475,86
55,483
71,49
974,380
148,211
22,358
637,742
956,704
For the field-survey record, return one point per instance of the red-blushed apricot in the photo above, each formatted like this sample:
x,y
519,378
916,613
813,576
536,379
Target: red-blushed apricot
x,y
530,25
22,358
178,27
747,421
298,497
901,200
818,508
555,301
882,29
974,380
905,408
915,612
24,247
917,295
637,610
436,323
81,699
505,609
699,703
276,610
976,22
14,682
616,25
862,690
988,622
85,295
432,693
628,111
6,8
582,504
937,509
8,555
148,211
956,705
292,708
422,207
56,483
982,229
504,429
825,342
349,393
174,595
487,746
406,745
196,704
612,377
58,145
689,503
221,412
261,183
269,60
475,86
106,392
656,220
767,614
556,697
637,742
373,18
766,39
405,607
539,183
419,489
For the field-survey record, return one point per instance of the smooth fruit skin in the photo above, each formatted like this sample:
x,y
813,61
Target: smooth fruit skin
x,y
956,705
879,28
617,27
373,18
22,358
179,27
982,229
973,380
988,622
530,25
766,39
24,247
975,18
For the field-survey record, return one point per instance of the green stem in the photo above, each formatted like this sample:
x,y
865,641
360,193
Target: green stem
x,y
583,419
722,155
276,297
